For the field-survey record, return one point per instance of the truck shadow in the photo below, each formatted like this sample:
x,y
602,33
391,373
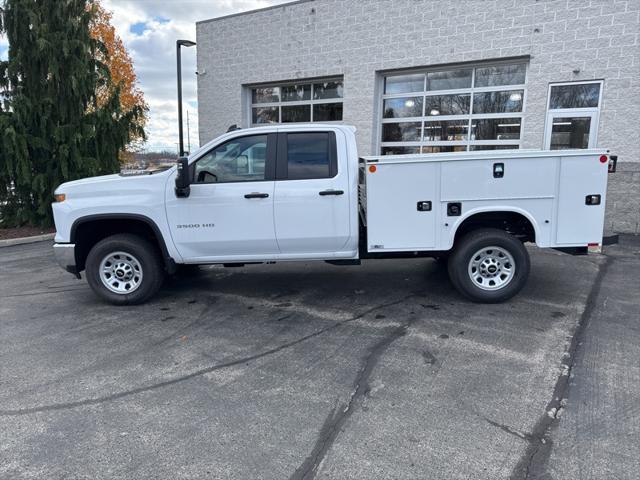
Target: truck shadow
x,y
316,281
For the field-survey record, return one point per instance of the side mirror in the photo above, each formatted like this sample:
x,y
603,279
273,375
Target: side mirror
x,y
182,178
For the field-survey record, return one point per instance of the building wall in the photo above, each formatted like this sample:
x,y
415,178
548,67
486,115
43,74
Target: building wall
x,y
565,40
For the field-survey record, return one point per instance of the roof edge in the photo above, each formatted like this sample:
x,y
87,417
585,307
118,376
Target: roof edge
x,y
257,10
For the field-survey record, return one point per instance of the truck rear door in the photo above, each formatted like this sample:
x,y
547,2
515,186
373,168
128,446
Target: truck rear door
x,y
311,197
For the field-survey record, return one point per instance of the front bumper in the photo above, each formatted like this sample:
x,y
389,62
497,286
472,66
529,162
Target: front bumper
x,y
65,254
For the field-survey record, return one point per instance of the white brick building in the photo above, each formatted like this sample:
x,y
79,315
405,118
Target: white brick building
x,y
437,75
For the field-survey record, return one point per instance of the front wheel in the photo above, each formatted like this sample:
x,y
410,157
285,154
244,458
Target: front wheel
x,y
489,266
124,269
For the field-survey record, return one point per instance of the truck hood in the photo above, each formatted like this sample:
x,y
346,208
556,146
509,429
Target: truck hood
x,y
65,187
110,184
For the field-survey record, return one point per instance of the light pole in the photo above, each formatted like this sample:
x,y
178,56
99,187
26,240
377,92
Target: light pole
x,y
181,43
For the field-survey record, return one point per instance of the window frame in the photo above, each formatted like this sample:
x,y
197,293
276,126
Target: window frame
x,y
269,165
593,112
379,144
279,104
282,162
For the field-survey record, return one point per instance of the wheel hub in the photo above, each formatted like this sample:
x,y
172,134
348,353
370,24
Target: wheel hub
x,y
491,268
121,272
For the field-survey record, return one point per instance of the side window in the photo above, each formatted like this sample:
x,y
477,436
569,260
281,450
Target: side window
x,y
309,156
239,160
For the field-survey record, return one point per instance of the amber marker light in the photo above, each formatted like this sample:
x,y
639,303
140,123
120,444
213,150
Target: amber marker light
x,y
372,169
59,197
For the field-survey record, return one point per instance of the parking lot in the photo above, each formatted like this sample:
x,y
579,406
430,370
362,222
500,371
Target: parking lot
x,y
318,371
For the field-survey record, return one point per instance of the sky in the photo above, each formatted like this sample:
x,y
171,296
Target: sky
x,y
149,30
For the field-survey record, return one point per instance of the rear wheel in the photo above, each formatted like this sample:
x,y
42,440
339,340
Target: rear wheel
x,y
124,269
489,266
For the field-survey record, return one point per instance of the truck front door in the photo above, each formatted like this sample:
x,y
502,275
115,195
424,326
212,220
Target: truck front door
x,y
229,212
311,200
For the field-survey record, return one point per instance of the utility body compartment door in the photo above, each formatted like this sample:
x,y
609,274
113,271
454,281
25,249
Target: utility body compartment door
x,y
312,193
395,220
579,223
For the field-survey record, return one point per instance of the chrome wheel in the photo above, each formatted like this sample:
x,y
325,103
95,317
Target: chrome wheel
x,y
120,272
491,268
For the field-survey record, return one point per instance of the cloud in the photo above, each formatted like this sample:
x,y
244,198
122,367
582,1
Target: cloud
x,y
4,47
149,29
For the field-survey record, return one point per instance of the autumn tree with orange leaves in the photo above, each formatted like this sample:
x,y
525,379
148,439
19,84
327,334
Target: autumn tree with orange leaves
x,y
120,67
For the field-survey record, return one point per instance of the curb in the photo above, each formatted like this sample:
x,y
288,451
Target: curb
x,y
9,242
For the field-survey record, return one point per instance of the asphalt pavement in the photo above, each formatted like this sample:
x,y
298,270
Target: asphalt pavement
x,y
311,370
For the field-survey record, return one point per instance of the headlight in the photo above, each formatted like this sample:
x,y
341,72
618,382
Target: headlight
x,y
59,197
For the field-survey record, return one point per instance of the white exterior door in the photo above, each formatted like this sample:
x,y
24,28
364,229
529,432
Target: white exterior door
x,y
311,201
571,129
229,213
572,115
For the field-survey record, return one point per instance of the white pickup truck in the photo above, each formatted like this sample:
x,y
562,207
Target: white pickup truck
x,y
283,193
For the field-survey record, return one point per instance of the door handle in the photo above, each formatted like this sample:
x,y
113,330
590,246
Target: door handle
x,y
256,195
331,192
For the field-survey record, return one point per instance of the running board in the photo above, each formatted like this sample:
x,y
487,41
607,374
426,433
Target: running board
x,y
344,262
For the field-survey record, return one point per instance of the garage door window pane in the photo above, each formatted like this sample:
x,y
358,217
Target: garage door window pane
x,y
400,150
265,115
404,83
570,133
327,112
403,107
266,95
447,105
449,80
444,149
495,129
494,147
296,93
575,96
327,90
402,132
446,131
296,113
498,102
500,75
307,155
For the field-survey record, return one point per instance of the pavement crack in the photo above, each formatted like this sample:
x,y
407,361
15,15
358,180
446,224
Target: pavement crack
x,y
533,463
337,418
197,373
510,430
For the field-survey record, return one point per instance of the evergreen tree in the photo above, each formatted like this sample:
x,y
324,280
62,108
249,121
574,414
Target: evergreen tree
x,y
52,129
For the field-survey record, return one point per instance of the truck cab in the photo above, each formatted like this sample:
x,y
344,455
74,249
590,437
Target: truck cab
x,y
269,194
301,193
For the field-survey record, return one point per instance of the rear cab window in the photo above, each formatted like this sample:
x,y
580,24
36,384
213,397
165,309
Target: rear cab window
x,y
307,156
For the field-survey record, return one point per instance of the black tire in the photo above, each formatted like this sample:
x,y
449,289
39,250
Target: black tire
x,y
485,288
146,259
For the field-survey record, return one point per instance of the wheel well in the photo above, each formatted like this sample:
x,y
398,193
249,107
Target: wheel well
x,y
511,222
85,234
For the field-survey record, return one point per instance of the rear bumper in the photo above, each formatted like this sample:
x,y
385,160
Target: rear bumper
x,y
65,254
